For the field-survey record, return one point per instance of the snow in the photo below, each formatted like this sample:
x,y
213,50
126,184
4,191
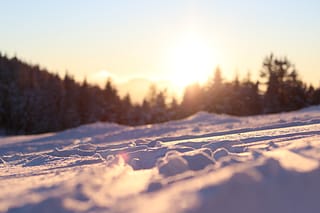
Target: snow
x,y
204,163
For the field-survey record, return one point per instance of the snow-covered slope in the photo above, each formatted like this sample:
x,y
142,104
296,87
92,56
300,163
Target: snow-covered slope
x,y
205,163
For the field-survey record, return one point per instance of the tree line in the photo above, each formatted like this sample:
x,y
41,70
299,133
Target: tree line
x,y
280,89
32,100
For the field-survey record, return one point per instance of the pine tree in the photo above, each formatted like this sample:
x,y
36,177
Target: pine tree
x,y
111,102
193,100
284,91
215,94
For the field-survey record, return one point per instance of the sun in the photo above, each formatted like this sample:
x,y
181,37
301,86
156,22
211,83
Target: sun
x,y
191,60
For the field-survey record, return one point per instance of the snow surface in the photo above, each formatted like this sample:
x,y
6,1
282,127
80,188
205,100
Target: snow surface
x,y
205,163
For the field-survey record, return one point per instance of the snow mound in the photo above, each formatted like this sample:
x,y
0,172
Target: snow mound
x,y
206,117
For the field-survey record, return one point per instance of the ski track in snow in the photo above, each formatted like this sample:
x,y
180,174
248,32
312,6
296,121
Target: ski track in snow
x,y
205,163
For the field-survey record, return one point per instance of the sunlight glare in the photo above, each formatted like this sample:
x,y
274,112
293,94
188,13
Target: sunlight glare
x,y
191,60
100,77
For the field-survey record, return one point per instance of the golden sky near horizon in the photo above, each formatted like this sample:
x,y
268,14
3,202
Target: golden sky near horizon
x,y
173,41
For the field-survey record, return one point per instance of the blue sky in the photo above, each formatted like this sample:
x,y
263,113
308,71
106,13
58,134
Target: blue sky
x,y
130,39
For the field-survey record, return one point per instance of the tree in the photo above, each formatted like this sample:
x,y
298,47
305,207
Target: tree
x,y
126,111
111,101
193,100
174,110
215,94
72,117
284,91
157,103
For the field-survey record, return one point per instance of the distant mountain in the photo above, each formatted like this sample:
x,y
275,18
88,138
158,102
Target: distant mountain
x,y
138,88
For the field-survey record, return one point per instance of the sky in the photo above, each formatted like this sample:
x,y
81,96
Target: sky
x,y
177,41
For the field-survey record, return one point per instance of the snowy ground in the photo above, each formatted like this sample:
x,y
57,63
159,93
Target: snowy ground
x,y
205,163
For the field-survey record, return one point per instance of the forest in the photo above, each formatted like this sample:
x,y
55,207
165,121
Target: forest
x,y
33,100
